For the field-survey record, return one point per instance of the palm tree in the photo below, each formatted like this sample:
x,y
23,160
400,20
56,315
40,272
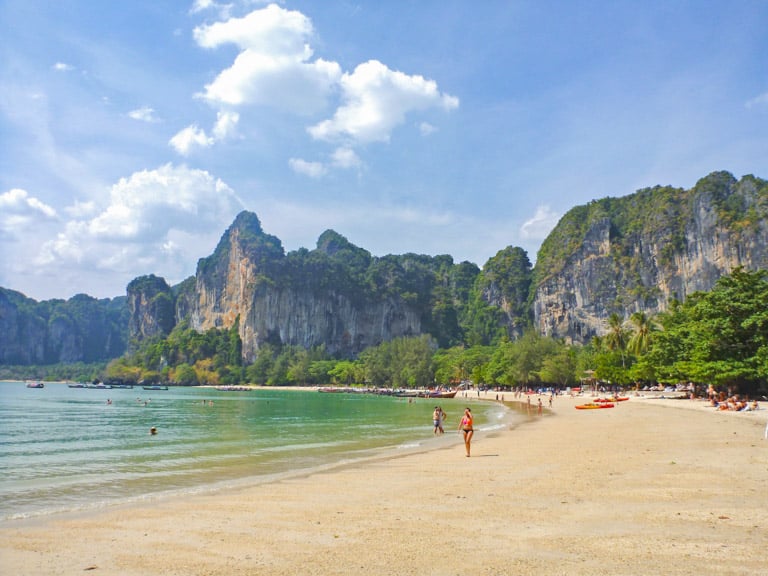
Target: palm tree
x,y
616,338
641,339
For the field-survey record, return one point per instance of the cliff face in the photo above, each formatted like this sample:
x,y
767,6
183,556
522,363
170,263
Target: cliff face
x,y
304,299
504,284
81,329
311,318
22,333
150,307
623,255
639,252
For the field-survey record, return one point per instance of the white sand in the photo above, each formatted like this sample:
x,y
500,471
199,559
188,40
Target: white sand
x,y
648,487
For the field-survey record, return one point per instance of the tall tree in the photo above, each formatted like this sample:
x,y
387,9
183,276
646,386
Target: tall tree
x,y
720,336
616,338
640,340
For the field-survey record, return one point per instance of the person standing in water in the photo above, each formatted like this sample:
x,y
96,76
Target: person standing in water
x,y
466,427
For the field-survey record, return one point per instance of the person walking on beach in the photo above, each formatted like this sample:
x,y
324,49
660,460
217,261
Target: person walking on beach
x,y
466,427
438,417
442,418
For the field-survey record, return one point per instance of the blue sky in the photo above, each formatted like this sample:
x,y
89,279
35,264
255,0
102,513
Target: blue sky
x,y
132,133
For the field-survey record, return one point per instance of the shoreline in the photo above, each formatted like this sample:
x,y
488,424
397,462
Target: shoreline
x,y
651,486
245,464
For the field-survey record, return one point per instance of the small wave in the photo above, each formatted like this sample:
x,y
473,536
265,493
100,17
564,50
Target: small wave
x,y
409,446
492,427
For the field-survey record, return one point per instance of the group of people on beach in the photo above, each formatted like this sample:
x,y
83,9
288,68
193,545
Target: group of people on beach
x,y
733,403
466,425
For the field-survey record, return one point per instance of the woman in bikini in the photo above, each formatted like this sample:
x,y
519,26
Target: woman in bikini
x,y
465,425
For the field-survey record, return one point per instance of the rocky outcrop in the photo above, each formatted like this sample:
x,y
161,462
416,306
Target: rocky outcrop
x,y
304,299
622,255
151,308
310,318
81,329
640,252
504,284
22,332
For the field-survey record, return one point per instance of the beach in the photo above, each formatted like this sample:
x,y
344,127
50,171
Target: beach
x,y
652,486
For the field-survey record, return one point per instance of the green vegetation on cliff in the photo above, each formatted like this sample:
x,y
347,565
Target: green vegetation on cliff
x,y
81,329
498,305
629,244
660,213
263,250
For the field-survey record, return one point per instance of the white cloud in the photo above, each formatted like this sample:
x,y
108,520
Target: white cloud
x,y
226,125
144,114
223,9
758,101
201,5
274,66
541,224
19,202
376,100
63,67
193,137
190,138
155,222
425,128
345,158
20,212
82,209
311,169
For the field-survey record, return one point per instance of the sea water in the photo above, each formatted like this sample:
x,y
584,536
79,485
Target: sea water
x,y
71,449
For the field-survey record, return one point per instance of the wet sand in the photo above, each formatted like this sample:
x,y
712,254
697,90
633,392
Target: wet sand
x,y
653,486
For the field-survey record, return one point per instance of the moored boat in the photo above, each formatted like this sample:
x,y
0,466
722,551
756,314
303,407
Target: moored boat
x,y
438,394
35,385
155,387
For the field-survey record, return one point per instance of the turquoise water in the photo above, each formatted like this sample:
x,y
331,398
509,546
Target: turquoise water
x,y
65,449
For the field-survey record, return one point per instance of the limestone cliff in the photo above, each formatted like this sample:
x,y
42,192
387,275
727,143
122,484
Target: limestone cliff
x,y
635,253
305,298
150,307
503,285
639,252
81,329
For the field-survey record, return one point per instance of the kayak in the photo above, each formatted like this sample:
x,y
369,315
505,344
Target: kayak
x,y
594,405
622,399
